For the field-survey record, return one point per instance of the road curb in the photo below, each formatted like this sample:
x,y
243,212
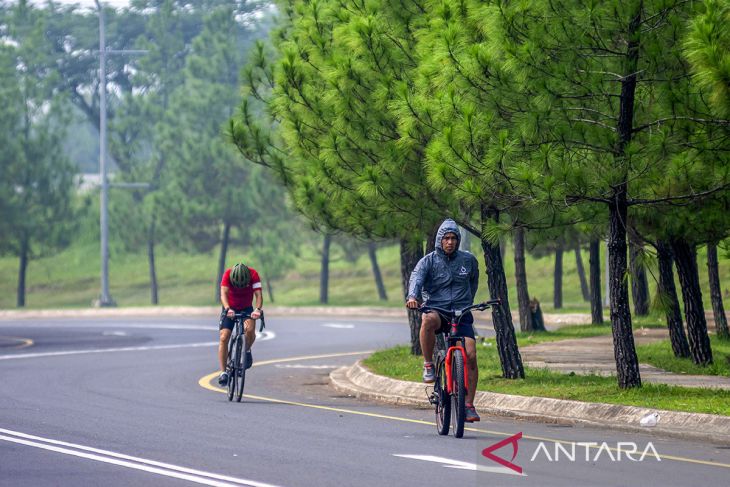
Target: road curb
x,y
361,383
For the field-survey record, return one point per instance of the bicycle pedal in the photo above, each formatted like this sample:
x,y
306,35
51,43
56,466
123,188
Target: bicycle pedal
x,y
431,396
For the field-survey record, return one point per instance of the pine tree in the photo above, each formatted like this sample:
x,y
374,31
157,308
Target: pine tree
x,y
605,90
37,189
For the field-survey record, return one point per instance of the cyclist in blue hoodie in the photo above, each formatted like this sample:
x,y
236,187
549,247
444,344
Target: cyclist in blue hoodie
x,y
447,278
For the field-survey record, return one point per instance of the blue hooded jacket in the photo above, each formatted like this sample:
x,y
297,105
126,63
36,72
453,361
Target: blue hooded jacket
x,y
446,281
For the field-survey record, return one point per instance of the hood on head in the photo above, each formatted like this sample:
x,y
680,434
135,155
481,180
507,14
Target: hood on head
x,y
447,226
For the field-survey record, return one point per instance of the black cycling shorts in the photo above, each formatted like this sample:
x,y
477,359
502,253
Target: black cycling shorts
x,y
464,329
227,322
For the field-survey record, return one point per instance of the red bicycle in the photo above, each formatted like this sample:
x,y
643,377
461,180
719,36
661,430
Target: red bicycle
x,y
449,390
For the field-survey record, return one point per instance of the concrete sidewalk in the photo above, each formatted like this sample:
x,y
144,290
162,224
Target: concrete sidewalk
x,y
595,356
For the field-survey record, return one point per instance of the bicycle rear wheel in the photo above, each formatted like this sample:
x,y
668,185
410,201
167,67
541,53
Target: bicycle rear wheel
x,y
443,401
231,370
458,393
240,377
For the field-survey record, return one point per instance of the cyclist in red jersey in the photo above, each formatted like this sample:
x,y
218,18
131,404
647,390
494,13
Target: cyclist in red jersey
x,y
239,287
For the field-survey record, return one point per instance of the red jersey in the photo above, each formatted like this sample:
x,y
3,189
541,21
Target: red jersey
x,y
241,297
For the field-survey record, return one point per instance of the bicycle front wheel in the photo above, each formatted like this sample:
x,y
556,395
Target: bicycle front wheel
x,y
240,376
458,393
230,368
443,401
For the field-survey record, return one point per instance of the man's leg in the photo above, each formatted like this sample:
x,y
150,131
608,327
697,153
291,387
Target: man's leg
x,y
249,328
430,322
225,335
473,370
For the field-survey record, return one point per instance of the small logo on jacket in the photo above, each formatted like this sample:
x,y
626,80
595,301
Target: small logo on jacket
x,y
463,271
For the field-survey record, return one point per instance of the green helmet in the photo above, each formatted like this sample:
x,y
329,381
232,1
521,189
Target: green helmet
x,y
240,275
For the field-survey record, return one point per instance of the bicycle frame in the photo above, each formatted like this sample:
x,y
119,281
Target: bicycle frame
x,y
449,354
453,342
236,364
452,379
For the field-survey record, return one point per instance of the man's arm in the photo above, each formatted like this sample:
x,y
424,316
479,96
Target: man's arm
x,y
224,301
415,283
474,279
259,297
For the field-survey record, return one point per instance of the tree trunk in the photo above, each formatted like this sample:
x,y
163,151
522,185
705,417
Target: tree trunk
x,y
581,274
431,241
685,256
22,271
151,260
270,290
538,323
718,310
324,275
376,272
465,243
523,295
639,283
668,299
558,279
627,363
409,257
222,259
594,264
509,353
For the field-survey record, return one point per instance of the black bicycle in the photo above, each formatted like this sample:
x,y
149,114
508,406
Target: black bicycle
x,y
236,363
449,356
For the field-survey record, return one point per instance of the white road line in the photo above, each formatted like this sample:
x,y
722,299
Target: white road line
x,y
105,350
338,325
266,335
304,366
458,464
76,324
151,466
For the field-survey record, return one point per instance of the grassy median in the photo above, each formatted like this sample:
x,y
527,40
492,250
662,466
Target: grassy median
x,y
400,364
659,354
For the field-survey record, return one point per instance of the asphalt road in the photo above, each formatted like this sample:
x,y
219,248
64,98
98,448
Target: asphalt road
x,y
133,401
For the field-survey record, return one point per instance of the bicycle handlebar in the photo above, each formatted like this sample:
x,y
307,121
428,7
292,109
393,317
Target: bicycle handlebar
x,y
458,313
248,315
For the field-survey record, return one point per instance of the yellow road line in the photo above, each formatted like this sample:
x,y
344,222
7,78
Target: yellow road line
x,y
24,342
205,382
309,357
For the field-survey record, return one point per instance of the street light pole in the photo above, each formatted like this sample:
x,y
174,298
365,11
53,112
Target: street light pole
x,y
105,298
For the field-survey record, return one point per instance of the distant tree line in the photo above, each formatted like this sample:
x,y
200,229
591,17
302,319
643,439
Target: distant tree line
x,y
167,112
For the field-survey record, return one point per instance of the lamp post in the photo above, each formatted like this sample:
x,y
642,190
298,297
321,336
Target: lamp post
x,y
105,298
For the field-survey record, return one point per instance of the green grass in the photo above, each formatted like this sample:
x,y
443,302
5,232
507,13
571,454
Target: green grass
x,y
659,354
577,331
71,278
400,364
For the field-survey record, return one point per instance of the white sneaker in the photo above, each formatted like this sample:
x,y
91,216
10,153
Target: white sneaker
x,y
429,375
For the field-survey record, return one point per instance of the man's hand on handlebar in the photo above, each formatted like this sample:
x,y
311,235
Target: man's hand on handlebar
x,y
412,303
